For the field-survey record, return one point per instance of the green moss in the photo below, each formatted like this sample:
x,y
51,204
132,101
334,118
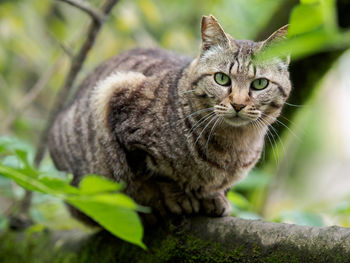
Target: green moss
x,y
32,247
163,247
185,248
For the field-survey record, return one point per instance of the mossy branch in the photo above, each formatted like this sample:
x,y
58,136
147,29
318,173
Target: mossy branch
x,y
198,239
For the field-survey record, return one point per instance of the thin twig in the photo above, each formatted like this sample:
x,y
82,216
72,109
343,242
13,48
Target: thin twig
x,y
87,8
75,67
66,49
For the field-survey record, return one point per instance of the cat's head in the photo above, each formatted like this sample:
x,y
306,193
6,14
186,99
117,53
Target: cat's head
x,y
226,77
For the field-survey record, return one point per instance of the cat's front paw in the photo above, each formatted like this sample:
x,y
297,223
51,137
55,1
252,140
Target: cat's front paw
x,y
216,205
182,204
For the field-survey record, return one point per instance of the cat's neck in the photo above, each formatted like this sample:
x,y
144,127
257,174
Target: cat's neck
x,y
247,137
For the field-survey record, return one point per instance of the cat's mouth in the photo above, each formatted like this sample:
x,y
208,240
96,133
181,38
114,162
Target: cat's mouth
x,y
236,120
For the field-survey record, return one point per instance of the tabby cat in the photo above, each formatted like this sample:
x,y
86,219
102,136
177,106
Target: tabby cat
x,y
178,131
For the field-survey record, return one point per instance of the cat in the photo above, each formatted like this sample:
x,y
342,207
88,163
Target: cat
x,y
178,131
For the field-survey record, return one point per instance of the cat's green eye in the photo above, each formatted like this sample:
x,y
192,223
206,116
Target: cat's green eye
x,y
222,79
260,84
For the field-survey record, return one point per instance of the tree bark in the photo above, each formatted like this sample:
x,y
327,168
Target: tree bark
x,y
199,239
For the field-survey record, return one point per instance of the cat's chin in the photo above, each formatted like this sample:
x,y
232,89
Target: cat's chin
x,y
237,121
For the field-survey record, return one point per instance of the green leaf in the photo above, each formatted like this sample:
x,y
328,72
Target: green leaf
x,y
114,211
309,1
21,151
11,144
305,18
24,180
92,184
115,199
306,44
58,185
22,156
28,168
310,15
122,222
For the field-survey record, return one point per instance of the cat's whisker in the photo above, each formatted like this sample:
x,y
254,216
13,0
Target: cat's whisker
x,y
294,105
263,135
200,122
255,126
268,133
213,118
291,122
253,113
268,125
199,111
250,116
222,112
275,131
272,146
211,131
284,125
260,133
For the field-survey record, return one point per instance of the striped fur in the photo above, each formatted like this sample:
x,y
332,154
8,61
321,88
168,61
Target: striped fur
x,y
142,117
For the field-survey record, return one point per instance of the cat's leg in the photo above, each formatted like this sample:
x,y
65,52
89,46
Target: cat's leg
x,y
177,201
216,205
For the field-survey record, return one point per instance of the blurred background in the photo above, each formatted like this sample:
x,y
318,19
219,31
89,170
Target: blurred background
x,y
304,174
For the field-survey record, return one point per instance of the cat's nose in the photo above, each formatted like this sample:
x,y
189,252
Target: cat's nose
x,y
238,107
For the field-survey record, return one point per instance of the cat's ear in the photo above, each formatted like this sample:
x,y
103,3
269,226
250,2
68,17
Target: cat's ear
x,y
212,33
277,36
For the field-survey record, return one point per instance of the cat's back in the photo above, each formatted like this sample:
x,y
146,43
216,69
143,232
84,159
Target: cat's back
x,y
149,62
75,139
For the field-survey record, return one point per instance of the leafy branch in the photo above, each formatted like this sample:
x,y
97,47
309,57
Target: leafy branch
x,y
97,197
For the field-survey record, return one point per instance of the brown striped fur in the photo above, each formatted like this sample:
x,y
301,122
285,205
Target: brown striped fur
x,y
141,117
